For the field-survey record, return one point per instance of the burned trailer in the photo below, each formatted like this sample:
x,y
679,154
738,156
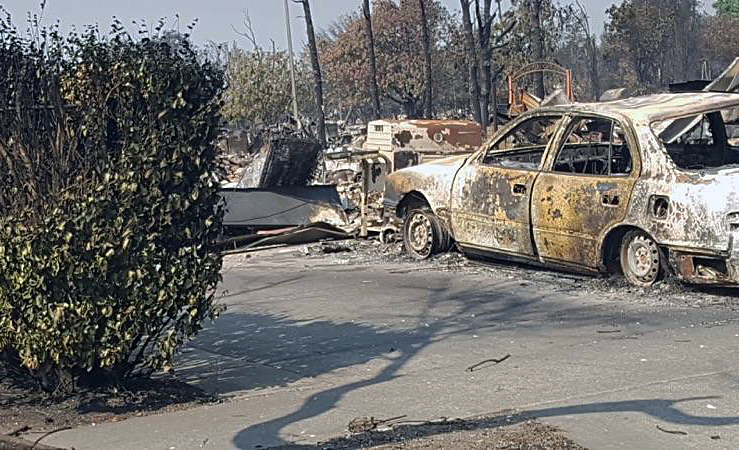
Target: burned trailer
x,y
648,186
407,143
390,145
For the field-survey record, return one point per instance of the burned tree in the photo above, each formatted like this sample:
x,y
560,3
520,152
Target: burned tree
x,y
483,78
428,95
472,62
374,91
484,27
317,78
591,47
537,41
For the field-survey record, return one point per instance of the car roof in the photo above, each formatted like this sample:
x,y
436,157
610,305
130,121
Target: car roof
x,y
658,106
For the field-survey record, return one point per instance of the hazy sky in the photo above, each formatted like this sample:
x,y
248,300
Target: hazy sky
x,y
216,17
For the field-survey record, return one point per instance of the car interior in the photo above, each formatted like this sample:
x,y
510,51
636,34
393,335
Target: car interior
x,y
697,142
594,146
526,144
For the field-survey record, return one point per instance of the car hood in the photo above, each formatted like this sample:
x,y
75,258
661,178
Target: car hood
x,y
433,180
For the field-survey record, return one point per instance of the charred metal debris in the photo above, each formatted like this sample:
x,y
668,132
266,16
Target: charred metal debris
x,y
646,186
290,184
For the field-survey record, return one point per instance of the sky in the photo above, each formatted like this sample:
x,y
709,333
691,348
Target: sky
x,y
217,18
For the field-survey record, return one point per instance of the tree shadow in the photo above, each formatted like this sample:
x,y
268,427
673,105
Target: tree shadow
x,y
255,351
660,409
446,312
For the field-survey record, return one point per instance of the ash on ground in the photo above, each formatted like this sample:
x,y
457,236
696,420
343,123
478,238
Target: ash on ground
x,y
614,287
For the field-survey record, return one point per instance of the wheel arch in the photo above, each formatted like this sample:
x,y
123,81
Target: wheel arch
x,y
411,200
611,246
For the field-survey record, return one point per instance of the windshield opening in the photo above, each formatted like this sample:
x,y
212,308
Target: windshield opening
x,y
702,141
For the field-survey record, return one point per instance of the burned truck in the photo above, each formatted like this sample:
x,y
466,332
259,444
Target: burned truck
x,y
647,186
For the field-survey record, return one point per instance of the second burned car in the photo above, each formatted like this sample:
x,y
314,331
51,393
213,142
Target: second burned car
x,y
647,185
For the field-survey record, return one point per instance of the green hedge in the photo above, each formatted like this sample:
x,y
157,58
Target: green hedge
x,y
108,203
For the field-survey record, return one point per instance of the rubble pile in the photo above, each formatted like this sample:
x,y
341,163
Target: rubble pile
x,y
351,197
234,164
284,159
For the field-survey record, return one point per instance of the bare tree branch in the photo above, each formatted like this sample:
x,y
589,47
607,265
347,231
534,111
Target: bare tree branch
x,y
248,32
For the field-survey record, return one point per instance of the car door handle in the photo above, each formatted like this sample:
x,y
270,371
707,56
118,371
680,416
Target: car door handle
x,y
519,189
610,200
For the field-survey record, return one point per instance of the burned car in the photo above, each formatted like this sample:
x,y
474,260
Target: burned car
x,y
646,185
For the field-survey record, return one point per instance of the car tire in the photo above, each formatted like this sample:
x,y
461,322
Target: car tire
x,y
641,259
423,234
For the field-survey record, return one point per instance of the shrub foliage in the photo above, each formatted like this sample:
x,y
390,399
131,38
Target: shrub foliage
x,y
108,198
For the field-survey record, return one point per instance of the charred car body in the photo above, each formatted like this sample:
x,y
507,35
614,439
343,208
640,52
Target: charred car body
x,y
647,185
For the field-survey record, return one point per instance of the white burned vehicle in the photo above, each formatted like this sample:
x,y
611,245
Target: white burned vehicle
x,y
646,185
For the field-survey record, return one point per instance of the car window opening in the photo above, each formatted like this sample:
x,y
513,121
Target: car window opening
x,y
523,147
594,146
699,142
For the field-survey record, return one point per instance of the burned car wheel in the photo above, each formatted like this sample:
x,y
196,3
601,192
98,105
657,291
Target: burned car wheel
x,y
641,260
423,236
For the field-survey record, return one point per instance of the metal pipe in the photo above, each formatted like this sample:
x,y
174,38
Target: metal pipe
x,y
292,62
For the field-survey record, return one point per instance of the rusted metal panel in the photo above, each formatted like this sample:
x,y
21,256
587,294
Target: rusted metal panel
x,y
420,141
283,161
490,208
571,212
279,207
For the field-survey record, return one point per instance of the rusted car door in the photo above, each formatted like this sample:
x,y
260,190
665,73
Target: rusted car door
x,y
584,190
491,194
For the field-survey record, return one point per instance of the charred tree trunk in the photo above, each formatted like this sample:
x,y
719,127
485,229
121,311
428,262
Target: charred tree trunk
x,y
317,78
472,63
591,47
409,103
484,26
410,108
374,91
594,72
428,95
495,103
537,44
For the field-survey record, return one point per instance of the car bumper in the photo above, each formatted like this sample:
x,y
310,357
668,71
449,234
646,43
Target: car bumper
x,y
697,267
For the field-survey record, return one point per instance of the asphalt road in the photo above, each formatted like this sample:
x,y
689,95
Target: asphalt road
x,y
309,343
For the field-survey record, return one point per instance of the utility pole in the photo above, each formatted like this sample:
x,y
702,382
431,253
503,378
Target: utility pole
x,y
292,62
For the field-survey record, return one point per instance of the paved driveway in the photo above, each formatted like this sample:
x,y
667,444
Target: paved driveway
x,y
308,343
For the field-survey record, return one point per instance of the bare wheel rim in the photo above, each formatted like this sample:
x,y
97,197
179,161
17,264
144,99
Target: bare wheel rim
x,y
420,234
642,258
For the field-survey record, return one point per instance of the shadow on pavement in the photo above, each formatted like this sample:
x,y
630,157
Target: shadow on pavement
x,y
253,351
660,409
445,312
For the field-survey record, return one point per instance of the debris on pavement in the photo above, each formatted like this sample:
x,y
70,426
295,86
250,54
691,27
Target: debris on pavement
x,y
303,234
364,424
486,361
500,432
664,430
8,442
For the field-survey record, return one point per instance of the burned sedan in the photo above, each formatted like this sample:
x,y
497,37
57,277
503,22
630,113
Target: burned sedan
x,y
647,185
